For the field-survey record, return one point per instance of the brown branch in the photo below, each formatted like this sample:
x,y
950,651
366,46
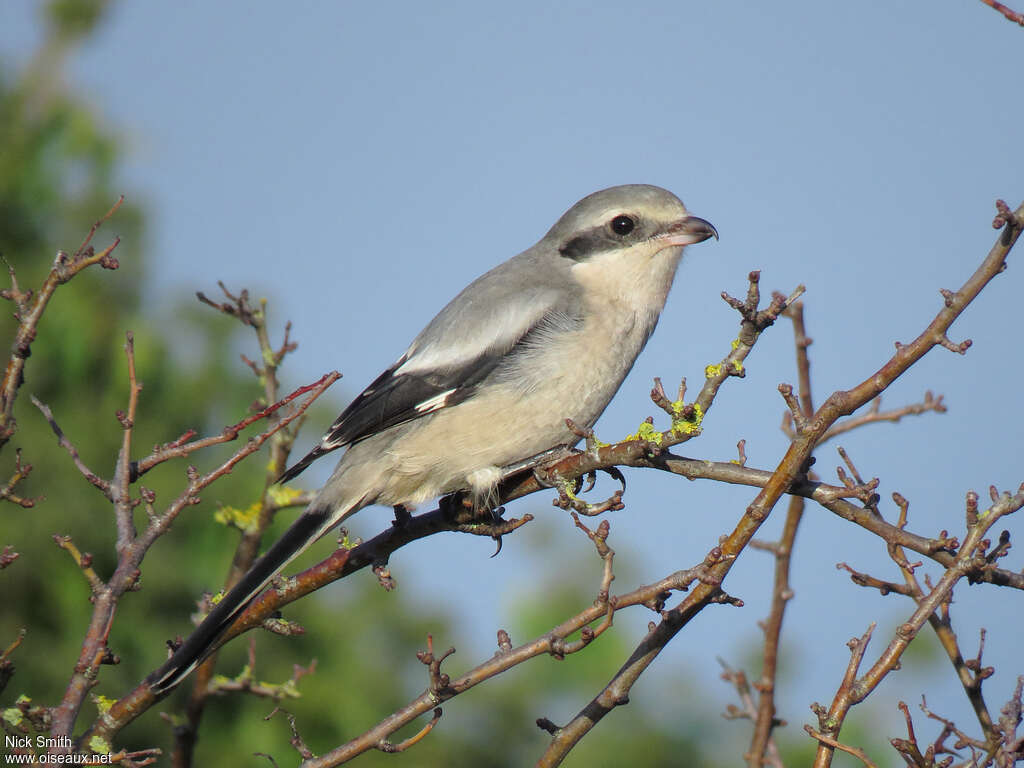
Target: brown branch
x,y
765,720
67,445
963,740
6,665
343,562
884,587
970,673
454,517
295,740
246,682
30,308
184,446
388,747
7,556
875,415
1012,748
124,509
791,468
247,548
857,752
782,593
968,560
21,471
637,453
160,523
94,647
687,417
832,498
1009,13
770,755
555,643
941,549
83,561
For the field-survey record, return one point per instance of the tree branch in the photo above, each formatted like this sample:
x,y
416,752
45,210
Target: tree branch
x,y
792,467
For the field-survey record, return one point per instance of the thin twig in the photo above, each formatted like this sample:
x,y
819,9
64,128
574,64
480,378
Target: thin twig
x,y
790,469
765,720
94,647
1009,13
554,642
30,308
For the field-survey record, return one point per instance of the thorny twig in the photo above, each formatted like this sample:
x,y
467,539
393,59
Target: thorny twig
x,y
1008,13
738,678
765,719
555,642
968,560
133,546
791,468
280,446
30,306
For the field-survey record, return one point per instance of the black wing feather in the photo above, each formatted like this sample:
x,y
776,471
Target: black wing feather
x,y
395,398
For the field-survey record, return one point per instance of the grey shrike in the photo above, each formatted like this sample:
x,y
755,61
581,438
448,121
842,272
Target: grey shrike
x,y
547,336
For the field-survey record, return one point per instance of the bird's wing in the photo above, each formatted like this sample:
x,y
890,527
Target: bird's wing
x,y
444,364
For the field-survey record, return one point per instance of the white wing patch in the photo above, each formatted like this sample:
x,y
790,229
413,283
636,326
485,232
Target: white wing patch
x,y
454,338
435,403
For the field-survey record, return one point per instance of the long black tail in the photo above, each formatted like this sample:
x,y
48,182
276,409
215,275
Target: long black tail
x,y
309,526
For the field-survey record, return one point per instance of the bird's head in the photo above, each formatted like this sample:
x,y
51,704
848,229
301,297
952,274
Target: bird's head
x,y
627,238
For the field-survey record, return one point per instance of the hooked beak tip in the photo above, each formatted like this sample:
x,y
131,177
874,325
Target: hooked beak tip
x,y
690,230
700,229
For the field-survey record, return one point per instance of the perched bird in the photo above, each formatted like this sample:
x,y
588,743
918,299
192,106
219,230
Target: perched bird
x,y
548,335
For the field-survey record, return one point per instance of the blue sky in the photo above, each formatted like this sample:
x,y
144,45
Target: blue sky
x,y
360,163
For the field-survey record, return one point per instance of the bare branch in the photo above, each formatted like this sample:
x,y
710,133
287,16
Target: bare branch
x,y
857,752
94,648
30,308
1008,13
790,469
968,560
21,471
441,687
67,445
875,415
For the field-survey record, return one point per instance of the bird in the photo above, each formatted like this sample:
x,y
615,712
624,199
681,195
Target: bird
x,y
546,336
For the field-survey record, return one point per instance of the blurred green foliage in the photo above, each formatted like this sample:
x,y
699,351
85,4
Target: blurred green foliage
x,y
58,162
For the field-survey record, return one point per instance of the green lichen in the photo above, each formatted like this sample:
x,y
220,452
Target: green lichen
x,y
681,425
244,520
712,371
649,433
737,366
284,584
100,746
568,486
286,690
13,716
103,704
284,496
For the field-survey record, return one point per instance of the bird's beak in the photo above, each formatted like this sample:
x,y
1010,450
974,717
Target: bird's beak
x,y
688,231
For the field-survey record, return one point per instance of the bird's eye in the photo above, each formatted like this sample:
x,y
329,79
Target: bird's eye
x,y
622,225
